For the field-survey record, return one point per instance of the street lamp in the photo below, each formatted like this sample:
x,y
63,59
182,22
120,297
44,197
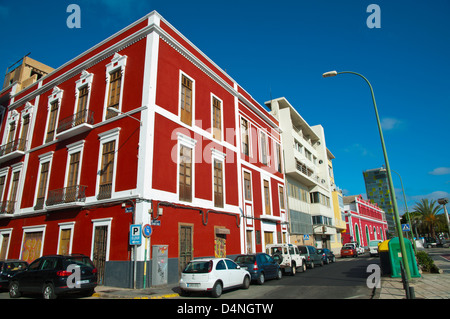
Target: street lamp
x,y
113,109
443,202
388,170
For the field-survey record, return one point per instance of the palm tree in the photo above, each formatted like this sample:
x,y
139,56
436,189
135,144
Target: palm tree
x,y
428,211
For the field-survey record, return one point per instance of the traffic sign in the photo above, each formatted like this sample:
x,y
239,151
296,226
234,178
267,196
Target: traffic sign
x,y
305,237
405,227
147,230
135,234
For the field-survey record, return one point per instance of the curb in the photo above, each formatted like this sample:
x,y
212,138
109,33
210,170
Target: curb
x,y
108,296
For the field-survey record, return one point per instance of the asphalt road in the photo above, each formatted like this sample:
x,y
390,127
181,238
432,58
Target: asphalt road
x,y
345,279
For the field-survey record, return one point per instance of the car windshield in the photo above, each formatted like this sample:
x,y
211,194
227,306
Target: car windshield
x,y
197,267
245,259
302,249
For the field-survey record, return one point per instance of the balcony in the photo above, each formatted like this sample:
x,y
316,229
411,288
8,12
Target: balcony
x,y
67,197
7,207
12,150
78,123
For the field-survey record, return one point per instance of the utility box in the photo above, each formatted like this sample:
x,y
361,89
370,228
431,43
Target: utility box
x,y
160,264
395,257
385,262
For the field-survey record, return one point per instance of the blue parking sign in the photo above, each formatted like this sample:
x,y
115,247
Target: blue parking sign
x,y
135,234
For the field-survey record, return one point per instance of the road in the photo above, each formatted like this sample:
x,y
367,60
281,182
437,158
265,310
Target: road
x,y
345,279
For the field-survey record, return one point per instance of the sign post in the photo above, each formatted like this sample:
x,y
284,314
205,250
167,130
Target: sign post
x,y
146,231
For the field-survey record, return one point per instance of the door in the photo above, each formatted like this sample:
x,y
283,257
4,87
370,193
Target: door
x,y
4,248
100,248
269,265
185,247
234,273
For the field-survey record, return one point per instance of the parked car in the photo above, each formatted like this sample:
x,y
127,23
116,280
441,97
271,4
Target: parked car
x,y
373,247
54,275
311,256
288,257
430,242
349,249
359,248
8,268
213,275
260,266
327,255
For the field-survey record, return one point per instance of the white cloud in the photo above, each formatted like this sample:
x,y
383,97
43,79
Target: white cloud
x,y
440,171
432,196
390,123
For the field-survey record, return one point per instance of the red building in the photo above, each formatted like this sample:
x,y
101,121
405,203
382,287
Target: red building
x,y
142,128
365,221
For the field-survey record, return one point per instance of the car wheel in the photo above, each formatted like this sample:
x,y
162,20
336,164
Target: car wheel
x,y
246,283
311,265
261,278
14,291
303,268
279,274
293,269
333,260
217,289
49,291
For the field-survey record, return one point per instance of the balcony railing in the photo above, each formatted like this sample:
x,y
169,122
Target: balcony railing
x,y
17,146
68,195
7,207
104,191
75,124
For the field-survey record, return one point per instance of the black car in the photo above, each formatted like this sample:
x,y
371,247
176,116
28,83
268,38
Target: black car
x,y
260,266
54,275
8,268
327,255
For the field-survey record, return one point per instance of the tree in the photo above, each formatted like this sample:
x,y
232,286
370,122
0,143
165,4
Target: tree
x,y
428,211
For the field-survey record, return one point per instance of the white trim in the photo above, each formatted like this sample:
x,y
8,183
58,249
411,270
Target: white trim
x,y
86,79
43,158
117,62
64,226
101,222
56,95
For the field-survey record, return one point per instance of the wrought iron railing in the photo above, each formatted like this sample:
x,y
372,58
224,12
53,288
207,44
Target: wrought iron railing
x,y
104,191
71,194
17,145
82,117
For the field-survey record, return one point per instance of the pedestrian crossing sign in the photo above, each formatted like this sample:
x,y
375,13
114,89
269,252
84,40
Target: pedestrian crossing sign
x,y
405,227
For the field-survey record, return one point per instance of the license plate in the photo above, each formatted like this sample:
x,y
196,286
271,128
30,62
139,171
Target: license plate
x,y
193,285
80,282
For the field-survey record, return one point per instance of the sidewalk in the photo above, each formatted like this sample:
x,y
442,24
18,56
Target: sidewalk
x,y
164,292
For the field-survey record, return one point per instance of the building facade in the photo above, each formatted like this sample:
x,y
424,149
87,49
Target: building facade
x,y
309,172
365,221
142,128
377,190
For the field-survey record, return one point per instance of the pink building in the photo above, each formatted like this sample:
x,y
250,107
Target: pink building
x,y
365,221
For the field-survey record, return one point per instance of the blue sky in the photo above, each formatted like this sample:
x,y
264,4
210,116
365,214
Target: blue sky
x,y
281,48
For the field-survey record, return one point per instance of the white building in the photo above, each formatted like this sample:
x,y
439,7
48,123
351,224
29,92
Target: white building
x,y
308,177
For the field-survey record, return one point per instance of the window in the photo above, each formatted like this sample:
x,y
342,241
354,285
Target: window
x,y
263,145
52,121
217,119
266,198
278,151
115,75
244,136
107,170
2,186
115,83
318,198
24,133
80,115
82,91
218,183
281,193
42,186
186,100
185,174
247,186
13,193
64,241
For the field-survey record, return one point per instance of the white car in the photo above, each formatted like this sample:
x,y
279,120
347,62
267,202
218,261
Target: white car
x,y
213,275
373,247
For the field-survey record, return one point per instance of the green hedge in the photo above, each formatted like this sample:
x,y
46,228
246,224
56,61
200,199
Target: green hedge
x,y
425,262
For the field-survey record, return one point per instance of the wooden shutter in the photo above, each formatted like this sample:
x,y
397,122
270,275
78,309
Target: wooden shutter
x,y
218,183
115,83
266,198
185,175
217,119
186,100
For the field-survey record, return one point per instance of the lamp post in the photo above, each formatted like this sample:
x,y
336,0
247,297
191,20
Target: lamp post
x,y
388,170
443,202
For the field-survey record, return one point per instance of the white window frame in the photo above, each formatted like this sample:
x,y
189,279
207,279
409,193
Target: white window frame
x,y
218,156
106,137
72,149
4,172
97,223
56,95
13,117
261,133
86,79
3,232
65,226
213,96
180,85
43,158
33,229
117,62
188,142
14,169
